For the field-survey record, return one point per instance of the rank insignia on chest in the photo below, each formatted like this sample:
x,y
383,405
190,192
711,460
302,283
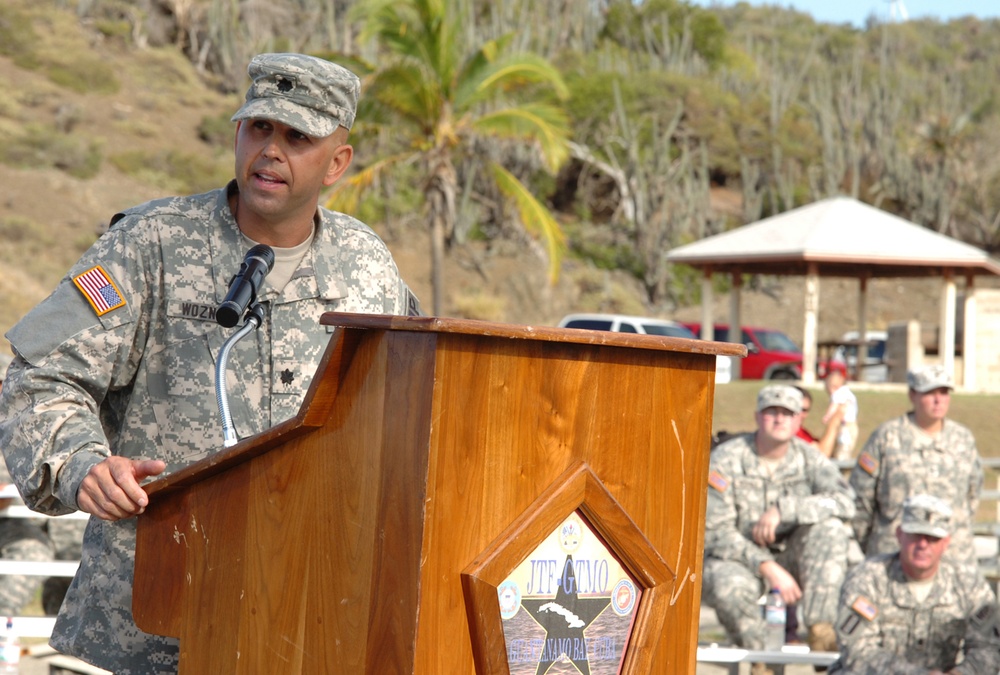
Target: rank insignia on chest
x,y
716,480
868,463
100,290
865,608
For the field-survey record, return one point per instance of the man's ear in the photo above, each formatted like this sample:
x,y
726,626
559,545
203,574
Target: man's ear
x,y
342,157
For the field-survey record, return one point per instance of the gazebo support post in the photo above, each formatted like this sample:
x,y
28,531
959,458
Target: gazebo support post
x,y
946,332
809,330
735,322
707,304
969,335
862,351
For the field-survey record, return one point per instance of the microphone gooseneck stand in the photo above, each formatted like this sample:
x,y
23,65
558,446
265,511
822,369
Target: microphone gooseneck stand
x,y
254,317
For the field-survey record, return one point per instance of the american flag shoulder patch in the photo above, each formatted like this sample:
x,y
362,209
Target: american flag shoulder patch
x,y
865,608
100,290
868,463
716,480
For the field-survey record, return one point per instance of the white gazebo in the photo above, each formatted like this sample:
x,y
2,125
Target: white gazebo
x,y
841,237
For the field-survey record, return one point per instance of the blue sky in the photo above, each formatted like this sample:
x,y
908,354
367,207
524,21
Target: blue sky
x,y
857,11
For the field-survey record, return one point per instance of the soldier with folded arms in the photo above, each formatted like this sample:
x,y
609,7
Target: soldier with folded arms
x,y
776,518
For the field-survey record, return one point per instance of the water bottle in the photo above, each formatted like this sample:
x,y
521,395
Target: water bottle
x,y
774,621
10,650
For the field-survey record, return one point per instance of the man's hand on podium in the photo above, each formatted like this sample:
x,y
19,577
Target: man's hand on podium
x,y
111,490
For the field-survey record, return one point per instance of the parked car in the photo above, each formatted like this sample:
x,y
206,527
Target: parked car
x,y
875,368
623,323
771,355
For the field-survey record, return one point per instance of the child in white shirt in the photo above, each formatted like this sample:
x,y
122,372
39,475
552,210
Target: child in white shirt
x,y
841,397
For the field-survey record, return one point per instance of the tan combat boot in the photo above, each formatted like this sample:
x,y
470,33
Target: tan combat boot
x,y
822,638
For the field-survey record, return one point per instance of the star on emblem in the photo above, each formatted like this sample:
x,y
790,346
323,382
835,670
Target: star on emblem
x,y
285,85
564,619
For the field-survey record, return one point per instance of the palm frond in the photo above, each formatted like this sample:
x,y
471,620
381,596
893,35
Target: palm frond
x,y
406,90
348,191
505,75
537,219
546,125
420,32
478,65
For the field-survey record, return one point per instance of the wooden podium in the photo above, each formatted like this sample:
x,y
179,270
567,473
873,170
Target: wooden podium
x,y
370,534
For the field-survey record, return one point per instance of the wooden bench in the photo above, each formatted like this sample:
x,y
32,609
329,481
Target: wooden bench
x,y
732,657
34,626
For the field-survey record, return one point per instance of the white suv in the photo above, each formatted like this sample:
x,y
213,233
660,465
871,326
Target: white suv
x,y
623,323
875,368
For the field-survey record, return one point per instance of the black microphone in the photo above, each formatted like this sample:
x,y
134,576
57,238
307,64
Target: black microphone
x,y
244,287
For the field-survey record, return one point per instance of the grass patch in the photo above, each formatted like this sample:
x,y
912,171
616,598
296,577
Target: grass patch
x,y
217,130
44,146
480,306
83,74
180,172
600,292
52,251
17,35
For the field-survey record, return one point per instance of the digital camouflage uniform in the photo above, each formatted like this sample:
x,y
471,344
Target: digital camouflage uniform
x,y
883,630
814,501
900,460
138,381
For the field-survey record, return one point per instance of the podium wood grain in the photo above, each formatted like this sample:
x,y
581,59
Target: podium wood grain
x,y
335,542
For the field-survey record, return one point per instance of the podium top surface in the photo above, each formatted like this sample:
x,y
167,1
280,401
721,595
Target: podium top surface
x,y
302,423
512,331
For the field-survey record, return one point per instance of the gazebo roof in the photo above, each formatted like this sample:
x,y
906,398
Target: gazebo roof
x,y
843,237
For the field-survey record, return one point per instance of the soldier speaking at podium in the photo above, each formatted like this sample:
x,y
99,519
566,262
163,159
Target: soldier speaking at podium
x,y
113,381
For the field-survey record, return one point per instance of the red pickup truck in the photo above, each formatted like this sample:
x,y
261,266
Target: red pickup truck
x,y
771,355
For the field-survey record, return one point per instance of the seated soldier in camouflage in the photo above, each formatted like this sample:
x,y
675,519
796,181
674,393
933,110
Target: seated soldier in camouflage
x,y
914,612
775,519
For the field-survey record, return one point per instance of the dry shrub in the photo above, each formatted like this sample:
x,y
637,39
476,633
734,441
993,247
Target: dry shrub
x,y
479,305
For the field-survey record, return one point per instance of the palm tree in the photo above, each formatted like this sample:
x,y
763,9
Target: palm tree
x,y
438,98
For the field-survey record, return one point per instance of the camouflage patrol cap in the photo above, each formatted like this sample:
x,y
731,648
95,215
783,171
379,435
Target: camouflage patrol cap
x,y
926,514
5,360
306,93
780,396
929,378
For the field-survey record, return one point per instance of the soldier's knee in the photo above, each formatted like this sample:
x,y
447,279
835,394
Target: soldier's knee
x,y
730,585
33,550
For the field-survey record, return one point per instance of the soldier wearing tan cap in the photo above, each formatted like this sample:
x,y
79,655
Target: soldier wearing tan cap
x,y
913,612
114,373
921,451
775,519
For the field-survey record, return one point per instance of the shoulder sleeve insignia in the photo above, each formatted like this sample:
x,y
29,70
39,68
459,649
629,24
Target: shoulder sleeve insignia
x,y
868,463
850,624
99,290
412,304
865,608
716,480
982,615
